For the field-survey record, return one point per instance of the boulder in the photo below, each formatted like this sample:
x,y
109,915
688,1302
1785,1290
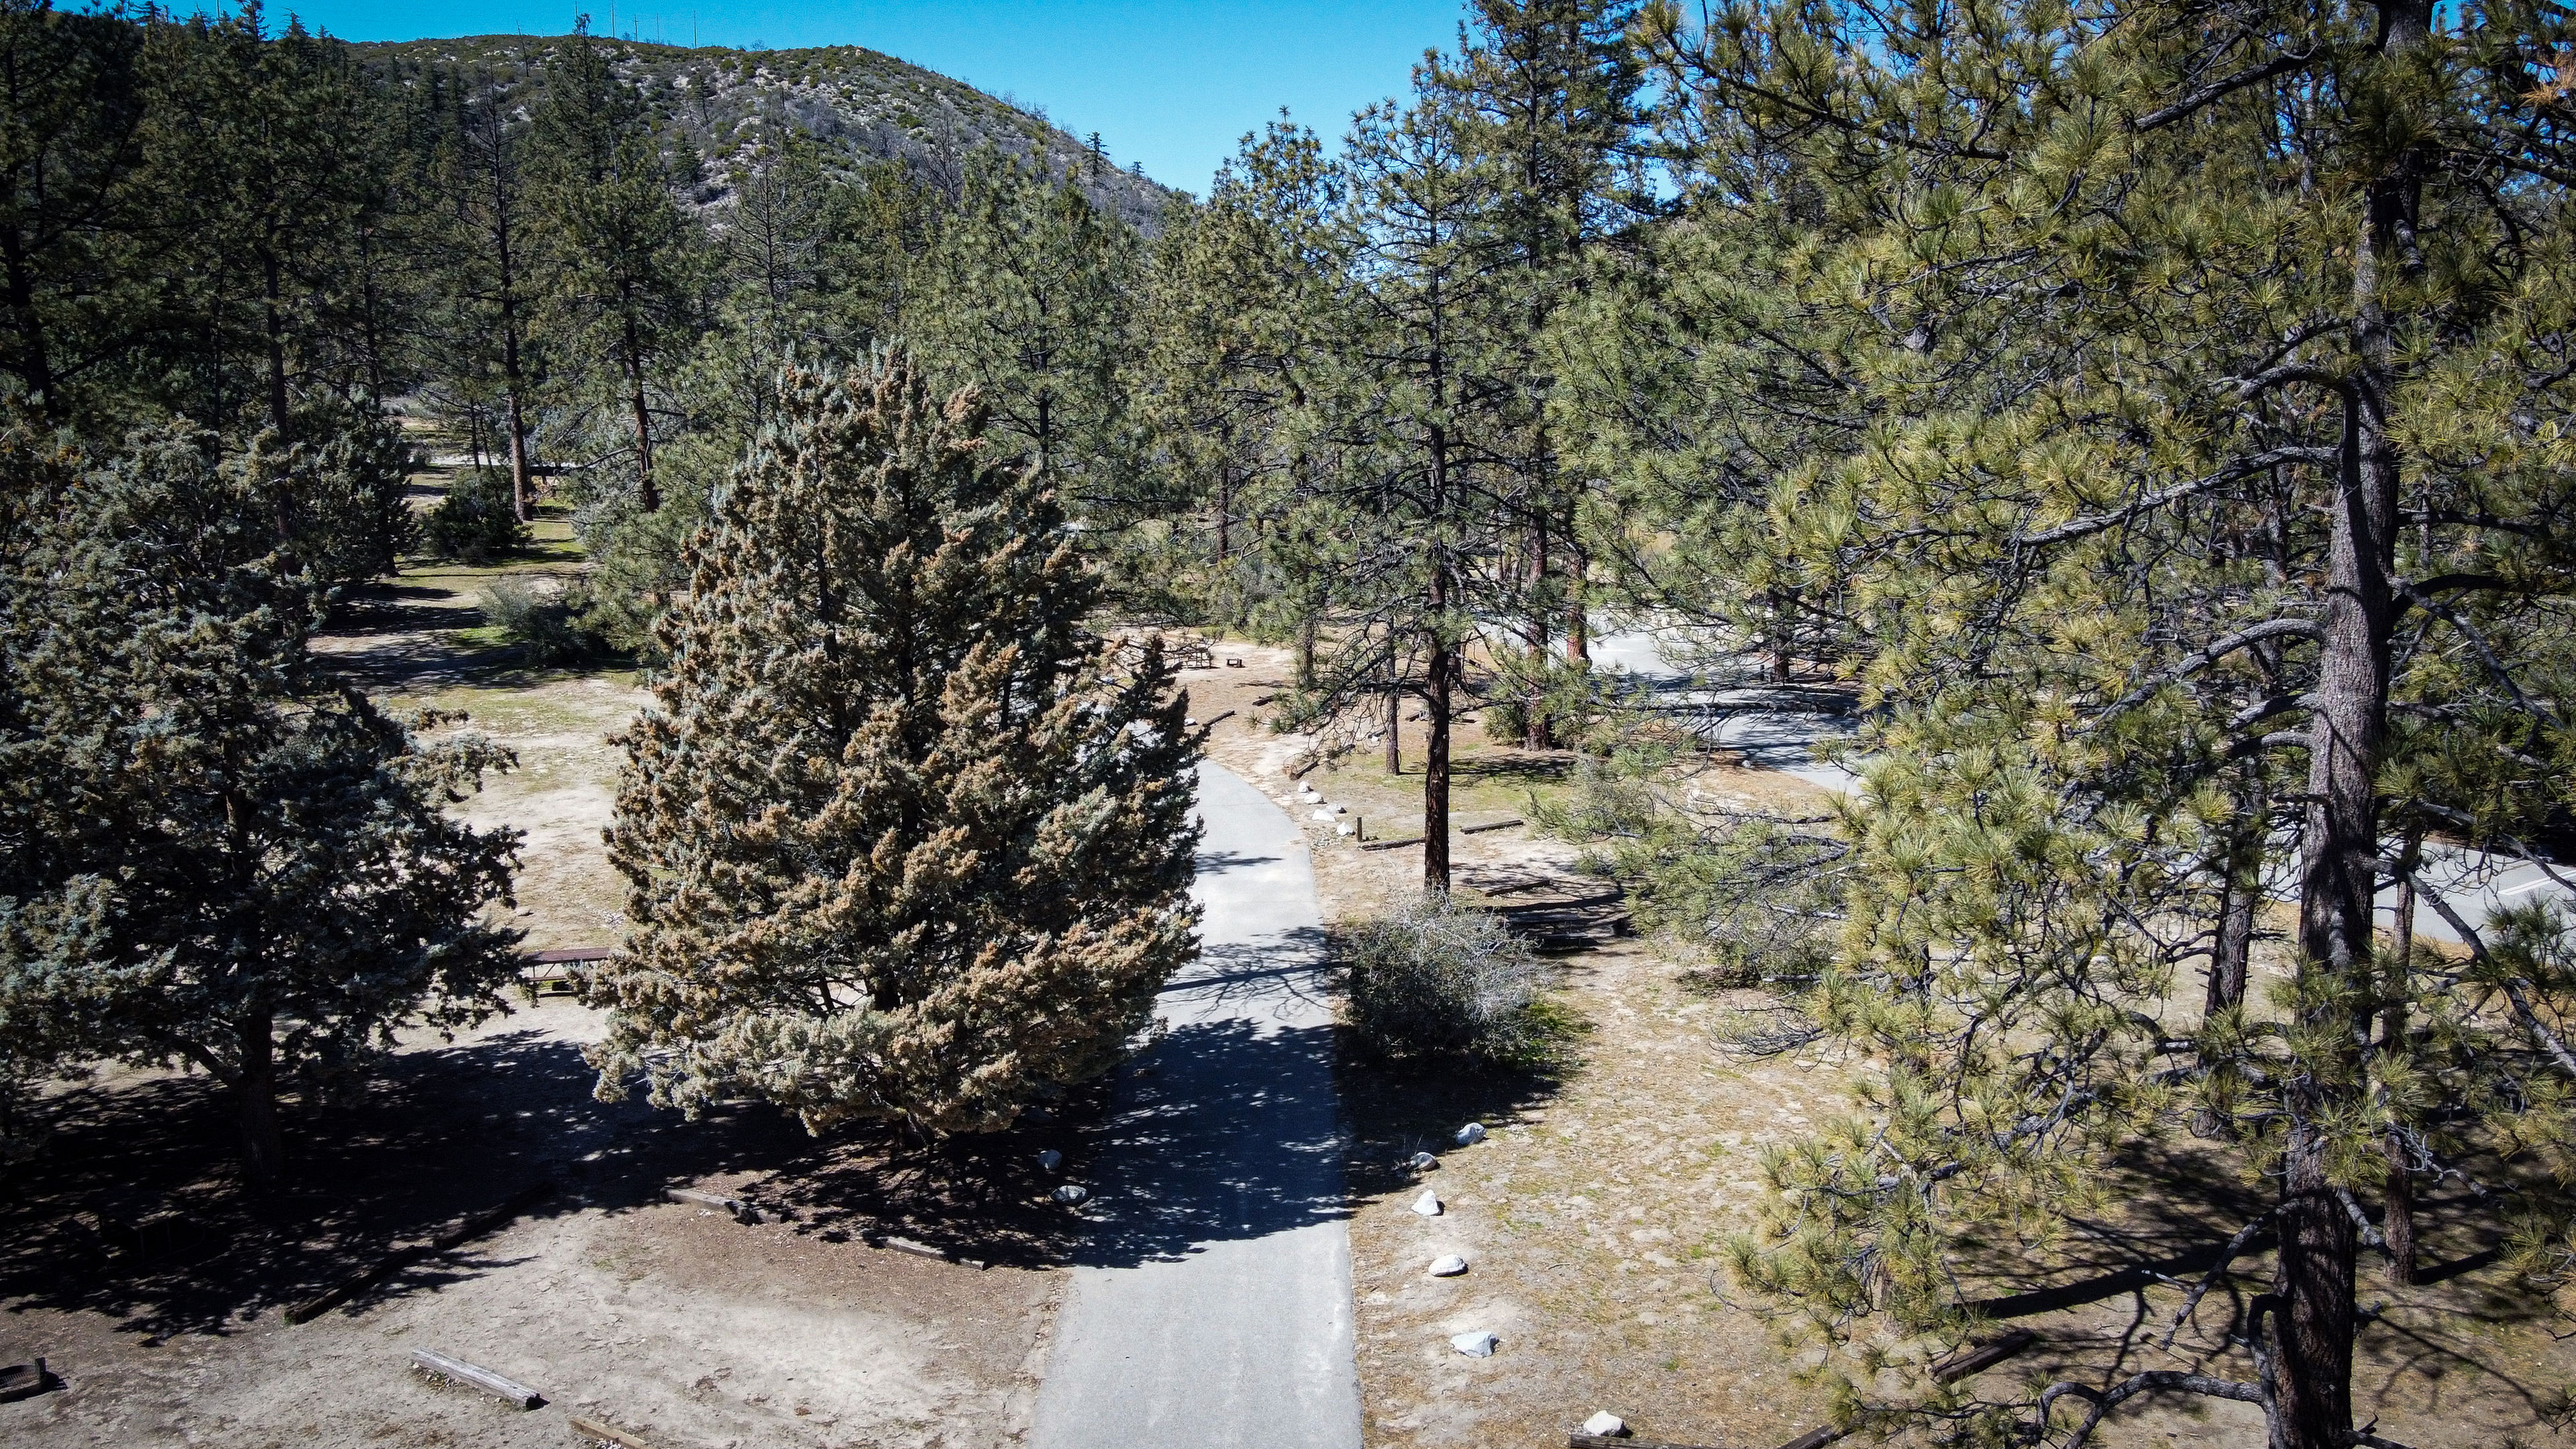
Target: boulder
x,y
1479,1344
1070,1193
1424,1162
1428,1204
1606,1425
1050,1159
1448,1265
1471,1134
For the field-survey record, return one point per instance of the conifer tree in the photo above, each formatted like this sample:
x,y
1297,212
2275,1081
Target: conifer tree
x,y
1025,291
903,842
2208,456
624,268
212,853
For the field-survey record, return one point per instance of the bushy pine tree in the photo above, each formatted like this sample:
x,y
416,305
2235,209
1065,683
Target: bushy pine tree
x,y
903,841
211,851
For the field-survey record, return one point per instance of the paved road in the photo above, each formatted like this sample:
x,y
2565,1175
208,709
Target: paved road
x,y
1783,733
1211,1306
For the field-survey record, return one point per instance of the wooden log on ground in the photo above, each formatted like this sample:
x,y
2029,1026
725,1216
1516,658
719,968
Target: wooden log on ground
x,y
1607,1441
1390,844
1220,719
590,1428
1816,1438
509,1391
1497,825
742,1211
892,1243
24,1381
401,1258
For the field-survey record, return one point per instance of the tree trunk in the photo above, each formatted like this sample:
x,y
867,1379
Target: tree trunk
x,y
646,497
273,300
1306,653
34,364
2340,869
2398,1228
1394,722
1534,731
2240,897
1578,623
255,1098
1435,770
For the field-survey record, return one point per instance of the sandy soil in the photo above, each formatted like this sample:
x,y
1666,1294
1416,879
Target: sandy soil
x,y
1594,1218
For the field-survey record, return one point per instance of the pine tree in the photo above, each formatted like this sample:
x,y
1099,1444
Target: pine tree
x,y
1026,292
903,841
1238,312
71,214
624,266
2205,495
212,853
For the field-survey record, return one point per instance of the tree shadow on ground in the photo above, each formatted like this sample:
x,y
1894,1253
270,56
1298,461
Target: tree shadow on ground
x,y
1509,764
135,1209
1401,1107
2169,1230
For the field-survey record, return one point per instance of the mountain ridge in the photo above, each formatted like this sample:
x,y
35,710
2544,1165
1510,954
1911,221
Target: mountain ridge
x,y
863,103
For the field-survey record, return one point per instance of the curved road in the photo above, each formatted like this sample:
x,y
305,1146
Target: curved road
x,y
1211,1305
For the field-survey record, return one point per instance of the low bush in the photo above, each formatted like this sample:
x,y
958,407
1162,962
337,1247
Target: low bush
x,y
541,625
1440,979
476,522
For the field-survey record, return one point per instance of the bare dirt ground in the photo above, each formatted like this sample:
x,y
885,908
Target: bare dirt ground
x,y
156,1288
1594,1217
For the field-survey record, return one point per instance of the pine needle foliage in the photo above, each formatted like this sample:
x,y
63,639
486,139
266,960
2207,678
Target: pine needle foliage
x,y
212,852
904,842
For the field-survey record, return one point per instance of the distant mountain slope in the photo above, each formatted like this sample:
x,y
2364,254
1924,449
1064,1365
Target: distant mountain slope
x,y
866,103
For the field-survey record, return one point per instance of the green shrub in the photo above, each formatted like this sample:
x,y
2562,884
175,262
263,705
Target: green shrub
x,y
1440,979
477,521
541,625
1506,721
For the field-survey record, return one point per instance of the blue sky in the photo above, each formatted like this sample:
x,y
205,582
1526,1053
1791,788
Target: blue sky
x,y
1166,83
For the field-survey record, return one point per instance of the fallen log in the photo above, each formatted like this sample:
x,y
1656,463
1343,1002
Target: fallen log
x,y
1498,825
606,1433
1607,1441
401,1258
509,1391
1220,719
1390,844
742,1211
892,1243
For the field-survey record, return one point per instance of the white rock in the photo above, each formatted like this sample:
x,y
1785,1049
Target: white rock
x,y
1071,1193
1342,830
1479,1344
1448,1265
1325,815
1606,1425
1050,1159
1341,810
1428,1204
1471,1134
1424,1162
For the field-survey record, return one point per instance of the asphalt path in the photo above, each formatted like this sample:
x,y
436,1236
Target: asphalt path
x,y
1210,1306
1784,730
